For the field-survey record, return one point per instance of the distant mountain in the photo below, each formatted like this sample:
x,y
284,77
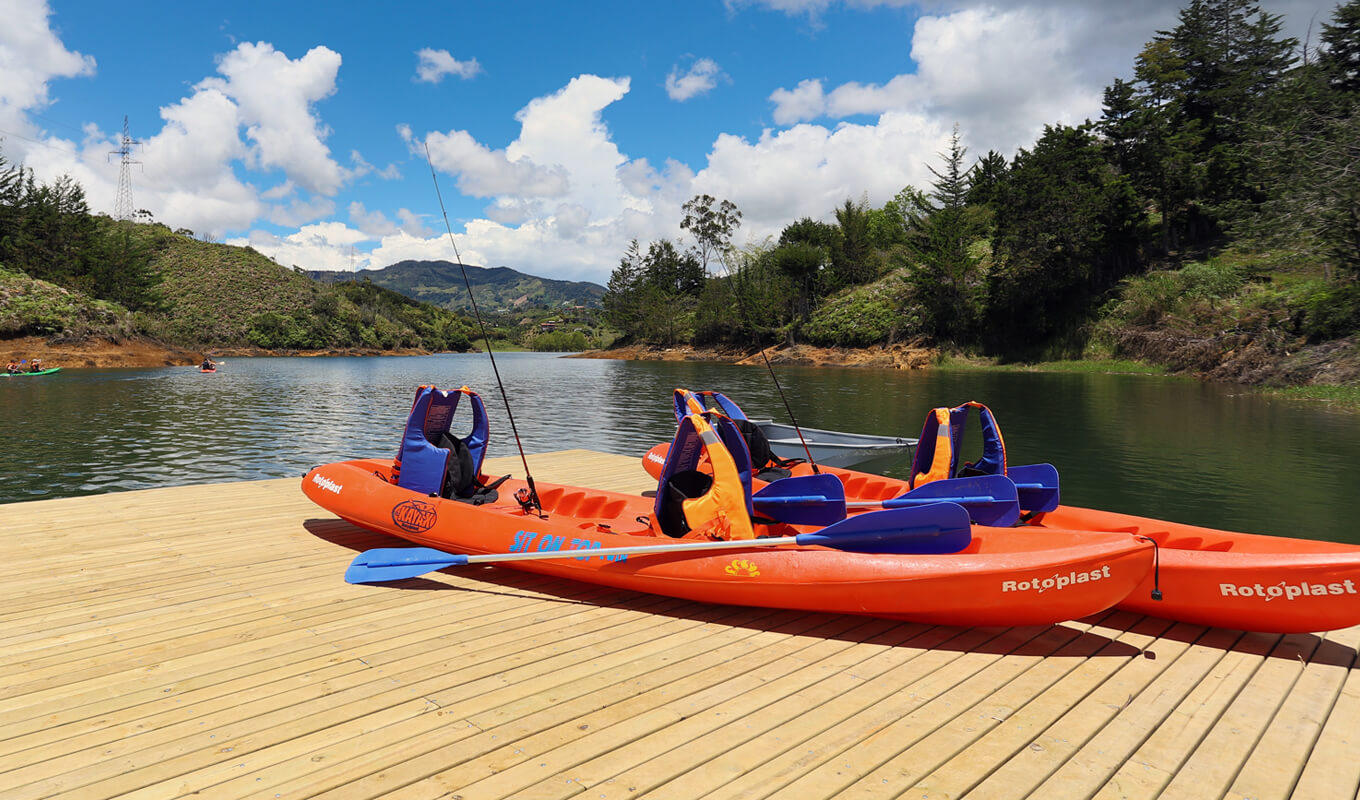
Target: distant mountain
x,y
497,289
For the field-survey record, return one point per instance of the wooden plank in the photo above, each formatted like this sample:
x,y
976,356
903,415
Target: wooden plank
x,y
150,653
1277,762
1096,761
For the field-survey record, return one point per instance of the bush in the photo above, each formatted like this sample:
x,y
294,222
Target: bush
x,y
559,342
1331,311
863,316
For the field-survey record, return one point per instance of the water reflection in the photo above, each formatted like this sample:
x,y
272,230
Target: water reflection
x,y
1198,453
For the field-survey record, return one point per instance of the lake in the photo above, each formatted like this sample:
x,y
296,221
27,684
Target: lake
x,y
1206,454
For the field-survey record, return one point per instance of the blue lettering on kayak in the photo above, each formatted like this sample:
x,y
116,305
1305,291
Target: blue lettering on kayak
x,y
524,542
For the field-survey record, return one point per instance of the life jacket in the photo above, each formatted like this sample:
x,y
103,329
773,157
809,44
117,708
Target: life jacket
x,y
715,503
937,453
763,460
688,402
433,461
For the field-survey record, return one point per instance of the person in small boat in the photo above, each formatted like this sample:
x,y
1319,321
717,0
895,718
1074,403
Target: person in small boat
x,y
208,363
12,368
35,365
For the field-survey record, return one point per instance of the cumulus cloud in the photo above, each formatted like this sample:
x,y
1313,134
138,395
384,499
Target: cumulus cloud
x,y
324,245
701,77
1000,75
435,64
31,56
275,96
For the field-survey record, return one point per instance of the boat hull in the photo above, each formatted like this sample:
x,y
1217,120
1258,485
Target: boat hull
x,y
38,374
1237,580
1003,578
1273,584
832,448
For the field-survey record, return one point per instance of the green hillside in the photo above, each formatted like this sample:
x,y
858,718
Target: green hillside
x,y
499,290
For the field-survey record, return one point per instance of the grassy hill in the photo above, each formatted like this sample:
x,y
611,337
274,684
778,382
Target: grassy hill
x,y
216,295
499,290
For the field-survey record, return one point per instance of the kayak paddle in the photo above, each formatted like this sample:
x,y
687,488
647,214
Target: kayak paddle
x,y
803,500
989,499
1037,485
932,529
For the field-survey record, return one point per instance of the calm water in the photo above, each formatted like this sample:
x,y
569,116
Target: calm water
x,y
1180,450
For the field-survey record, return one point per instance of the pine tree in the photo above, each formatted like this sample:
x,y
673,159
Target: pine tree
x,y
945,279
1340,56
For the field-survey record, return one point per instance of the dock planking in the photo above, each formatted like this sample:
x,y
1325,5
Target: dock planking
x,y
200,640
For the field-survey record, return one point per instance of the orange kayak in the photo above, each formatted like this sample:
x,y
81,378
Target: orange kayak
x,y
1243,581
1003,577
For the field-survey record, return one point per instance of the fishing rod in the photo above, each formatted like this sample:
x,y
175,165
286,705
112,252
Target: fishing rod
x,y
740,302
532,500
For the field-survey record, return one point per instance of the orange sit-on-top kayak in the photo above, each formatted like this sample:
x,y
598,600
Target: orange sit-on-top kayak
x,y
1205,576
924,564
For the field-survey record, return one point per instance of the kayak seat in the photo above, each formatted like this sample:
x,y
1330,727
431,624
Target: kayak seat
x,y
684,485
461,481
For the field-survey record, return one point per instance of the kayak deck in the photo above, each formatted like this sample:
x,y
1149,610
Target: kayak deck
x,y
204,638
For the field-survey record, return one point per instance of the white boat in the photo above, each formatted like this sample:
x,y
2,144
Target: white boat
x,y
833,448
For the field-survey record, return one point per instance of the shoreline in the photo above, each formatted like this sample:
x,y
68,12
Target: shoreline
x,y
99,353
896,356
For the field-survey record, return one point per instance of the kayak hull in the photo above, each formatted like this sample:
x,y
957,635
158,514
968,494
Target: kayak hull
x,y
1244,581
39,373
1002,578
1237,580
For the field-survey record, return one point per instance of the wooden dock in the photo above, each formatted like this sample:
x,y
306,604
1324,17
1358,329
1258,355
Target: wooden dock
x,y
200,641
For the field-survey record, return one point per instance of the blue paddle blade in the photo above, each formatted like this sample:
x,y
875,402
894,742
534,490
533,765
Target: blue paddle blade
x,y
1037,485
988,499
803,500
397,563
935,528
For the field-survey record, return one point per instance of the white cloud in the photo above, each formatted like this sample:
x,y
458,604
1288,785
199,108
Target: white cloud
x,y
701,77
275,96
375,224
809,170
31,56
435,64
483,172
326,245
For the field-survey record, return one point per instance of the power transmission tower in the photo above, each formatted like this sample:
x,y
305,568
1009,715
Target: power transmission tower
x,y
122,206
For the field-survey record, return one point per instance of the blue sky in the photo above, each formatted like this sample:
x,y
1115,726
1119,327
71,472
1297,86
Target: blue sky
x,y
559,132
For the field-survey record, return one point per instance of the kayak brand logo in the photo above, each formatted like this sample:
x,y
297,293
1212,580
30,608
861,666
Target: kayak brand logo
x,y
414,516
1286,590
326,483
742,568
1056,582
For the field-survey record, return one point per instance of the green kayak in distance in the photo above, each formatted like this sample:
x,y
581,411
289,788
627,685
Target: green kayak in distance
x,y
47,371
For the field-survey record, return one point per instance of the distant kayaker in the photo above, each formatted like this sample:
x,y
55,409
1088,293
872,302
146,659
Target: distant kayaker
x,y
36,366
12,368
207,364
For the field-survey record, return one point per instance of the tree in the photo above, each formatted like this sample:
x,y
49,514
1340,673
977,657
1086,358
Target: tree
x,y
1199,86
712,228
1067,230
945,279
672,272
985,178
854,261
623,296
1339,59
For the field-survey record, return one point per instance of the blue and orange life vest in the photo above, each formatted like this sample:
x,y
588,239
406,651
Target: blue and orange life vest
x,y
688,402
937,454
421,464
713,503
